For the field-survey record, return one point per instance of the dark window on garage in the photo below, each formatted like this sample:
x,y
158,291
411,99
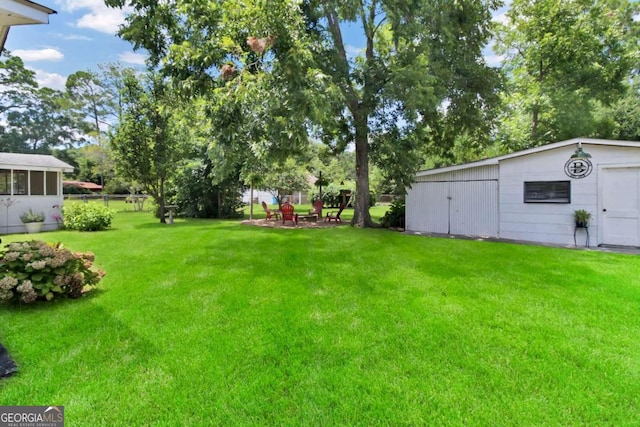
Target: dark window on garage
x,y
547,192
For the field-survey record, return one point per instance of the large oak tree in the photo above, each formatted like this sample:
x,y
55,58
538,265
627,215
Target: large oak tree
x,y
276,70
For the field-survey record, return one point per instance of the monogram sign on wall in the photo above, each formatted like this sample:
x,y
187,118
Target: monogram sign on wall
x,y
578,168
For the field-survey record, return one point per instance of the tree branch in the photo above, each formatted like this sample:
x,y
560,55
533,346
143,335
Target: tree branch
x,y
347,87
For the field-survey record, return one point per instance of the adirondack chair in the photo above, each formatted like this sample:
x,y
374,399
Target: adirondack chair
x,y
334,216
317,208
287,213
269,212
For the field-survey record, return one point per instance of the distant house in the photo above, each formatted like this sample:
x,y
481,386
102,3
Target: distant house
x,y
21,12
531,195
30,181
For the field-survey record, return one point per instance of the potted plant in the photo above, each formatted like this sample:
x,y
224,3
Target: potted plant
x,y
581,218
32,221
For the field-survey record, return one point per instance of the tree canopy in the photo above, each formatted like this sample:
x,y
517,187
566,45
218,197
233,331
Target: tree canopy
x,y
274,70
562,60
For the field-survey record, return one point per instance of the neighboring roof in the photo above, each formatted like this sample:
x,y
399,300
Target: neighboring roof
x,y
21,12
82,184
32,161
552,146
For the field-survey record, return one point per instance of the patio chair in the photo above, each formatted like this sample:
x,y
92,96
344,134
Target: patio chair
x,y
317,208
334,216
269,212
287,214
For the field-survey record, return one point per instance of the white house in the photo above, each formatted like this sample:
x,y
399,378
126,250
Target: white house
x,y
531,195
30,181
21,12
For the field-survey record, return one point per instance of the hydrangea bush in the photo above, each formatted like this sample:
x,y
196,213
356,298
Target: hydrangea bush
x,y
38,270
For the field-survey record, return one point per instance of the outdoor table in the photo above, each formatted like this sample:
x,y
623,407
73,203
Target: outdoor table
x,y
307,218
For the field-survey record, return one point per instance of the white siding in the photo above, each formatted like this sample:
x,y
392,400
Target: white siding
x,y
553,222
542,222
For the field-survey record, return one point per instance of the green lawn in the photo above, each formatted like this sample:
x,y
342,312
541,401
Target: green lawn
x,y
215,323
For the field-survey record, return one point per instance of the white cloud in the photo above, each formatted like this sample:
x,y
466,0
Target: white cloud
x,y
132,58
75,37
106,21
51,80
501,18
500,15
97,16
31,55
353,51
494,60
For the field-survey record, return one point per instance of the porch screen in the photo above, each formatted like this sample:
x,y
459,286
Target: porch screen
x,y
20,182
547,192
53,185
5,181
37,183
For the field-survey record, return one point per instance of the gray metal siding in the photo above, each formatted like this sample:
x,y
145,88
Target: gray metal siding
x,y
474,208
427,207
479,173
454,207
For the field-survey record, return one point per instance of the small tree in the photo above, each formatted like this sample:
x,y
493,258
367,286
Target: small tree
x,y
284,179
198,197
146,144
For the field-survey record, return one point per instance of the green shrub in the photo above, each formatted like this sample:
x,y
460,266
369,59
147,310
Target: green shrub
x,y
394,217
37,270
87,216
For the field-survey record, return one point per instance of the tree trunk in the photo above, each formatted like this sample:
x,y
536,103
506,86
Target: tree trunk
x,y
251,203
361,215
535,121
162,218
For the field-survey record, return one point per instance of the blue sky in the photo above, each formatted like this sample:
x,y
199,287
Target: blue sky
x,y
82,35
79,37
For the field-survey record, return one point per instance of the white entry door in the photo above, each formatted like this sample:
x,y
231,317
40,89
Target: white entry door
x,y
621,206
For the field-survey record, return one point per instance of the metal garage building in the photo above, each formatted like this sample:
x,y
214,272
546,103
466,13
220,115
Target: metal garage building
x,y
531,195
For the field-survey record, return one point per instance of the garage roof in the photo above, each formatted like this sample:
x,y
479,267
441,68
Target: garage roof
x,y
552,146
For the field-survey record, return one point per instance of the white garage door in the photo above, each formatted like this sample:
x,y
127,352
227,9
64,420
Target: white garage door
x,y
621,206
457,207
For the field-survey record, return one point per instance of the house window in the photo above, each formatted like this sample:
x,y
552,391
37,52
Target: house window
x,y
547,192
20,182
52,184
5,181
37,183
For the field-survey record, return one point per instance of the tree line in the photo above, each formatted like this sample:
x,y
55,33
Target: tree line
x,y
236,96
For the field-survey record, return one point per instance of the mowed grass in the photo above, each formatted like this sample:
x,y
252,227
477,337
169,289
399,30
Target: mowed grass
x,y
209,322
